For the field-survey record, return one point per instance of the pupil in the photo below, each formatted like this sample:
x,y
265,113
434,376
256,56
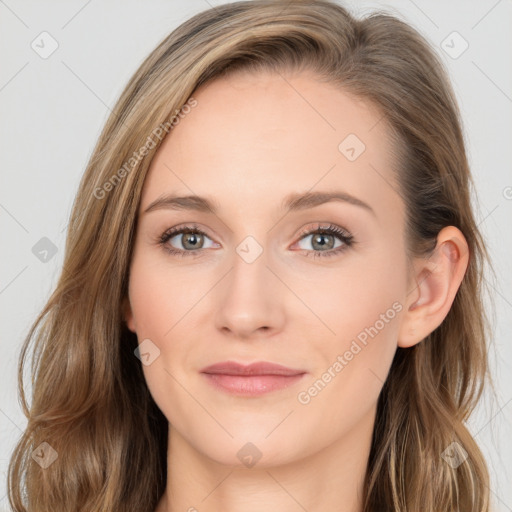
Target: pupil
x,y
191,238
322,245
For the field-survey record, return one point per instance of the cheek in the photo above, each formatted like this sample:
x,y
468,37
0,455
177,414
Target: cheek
x,y
365,291
162,301
161,295
345,389
363,308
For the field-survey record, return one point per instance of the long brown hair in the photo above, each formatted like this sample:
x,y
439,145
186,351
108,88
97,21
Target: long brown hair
x,y
90,402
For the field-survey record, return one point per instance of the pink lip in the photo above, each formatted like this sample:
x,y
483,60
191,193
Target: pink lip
x,y
251,380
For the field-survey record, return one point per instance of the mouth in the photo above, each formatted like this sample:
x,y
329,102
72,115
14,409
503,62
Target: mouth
x,y
251,380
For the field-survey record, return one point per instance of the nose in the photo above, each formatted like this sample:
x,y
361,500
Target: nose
x,y
251,299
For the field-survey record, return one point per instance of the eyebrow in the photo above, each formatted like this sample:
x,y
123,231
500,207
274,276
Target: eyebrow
x,y
293,202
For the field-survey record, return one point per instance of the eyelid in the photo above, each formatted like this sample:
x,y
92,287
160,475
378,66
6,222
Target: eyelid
x,y
182,229
324,228
346,238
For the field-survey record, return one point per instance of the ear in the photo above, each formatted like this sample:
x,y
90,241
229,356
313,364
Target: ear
x,y
435,279
128,314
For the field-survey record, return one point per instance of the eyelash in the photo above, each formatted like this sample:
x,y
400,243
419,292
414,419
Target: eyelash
x,y
344,236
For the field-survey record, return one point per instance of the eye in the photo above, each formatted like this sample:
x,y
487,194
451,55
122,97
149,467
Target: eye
x,y
326,241
190,240
185,240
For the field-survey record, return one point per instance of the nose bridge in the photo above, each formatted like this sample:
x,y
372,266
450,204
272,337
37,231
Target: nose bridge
x,y
250,270
250,298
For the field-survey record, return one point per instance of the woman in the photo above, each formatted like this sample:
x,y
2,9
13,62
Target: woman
x,y
271,293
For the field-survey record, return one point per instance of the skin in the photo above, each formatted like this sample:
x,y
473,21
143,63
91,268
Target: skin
x,y
251,141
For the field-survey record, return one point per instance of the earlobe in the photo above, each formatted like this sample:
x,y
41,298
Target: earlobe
x,y
128,314
437,279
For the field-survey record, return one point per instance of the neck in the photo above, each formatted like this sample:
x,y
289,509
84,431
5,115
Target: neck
x,y
331,479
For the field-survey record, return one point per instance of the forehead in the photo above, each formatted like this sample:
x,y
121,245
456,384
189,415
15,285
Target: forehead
x,y
254,138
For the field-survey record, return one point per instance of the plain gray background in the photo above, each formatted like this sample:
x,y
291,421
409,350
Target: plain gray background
x,y
53,108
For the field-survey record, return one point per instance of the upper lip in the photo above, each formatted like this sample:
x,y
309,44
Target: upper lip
x,y
258,368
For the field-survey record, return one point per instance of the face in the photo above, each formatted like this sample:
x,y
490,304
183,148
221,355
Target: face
x,y
263,274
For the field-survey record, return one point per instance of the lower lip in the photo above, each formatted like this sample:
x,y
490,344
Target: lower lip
x,y
251,385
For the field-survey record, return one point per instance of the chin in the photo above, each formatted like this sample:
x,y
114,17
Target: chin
x,y
249,451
